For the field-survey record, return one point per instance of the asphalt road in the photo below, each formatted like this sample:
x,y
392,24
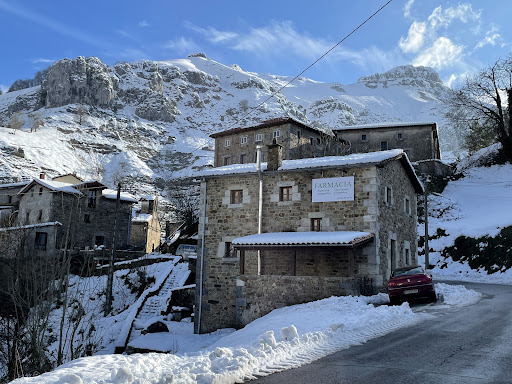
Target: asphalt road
x,y
467,345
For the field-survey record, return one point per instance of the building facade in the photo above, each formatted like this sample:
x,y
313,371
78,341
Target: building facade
x,y
299,140
420,141
320,227
146,229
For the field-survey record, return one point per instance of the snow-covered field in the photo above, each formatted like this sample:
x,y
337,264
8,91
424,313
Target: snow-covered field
x,y
476,205
286,338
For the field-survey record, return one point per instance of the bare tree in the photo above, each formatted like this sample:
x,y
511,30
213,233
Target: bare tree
x,y
81,113
37,121
15,122
185,199
480,99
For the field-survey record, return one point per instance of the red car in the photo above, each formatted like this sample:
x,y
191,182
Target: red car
x,y
410,283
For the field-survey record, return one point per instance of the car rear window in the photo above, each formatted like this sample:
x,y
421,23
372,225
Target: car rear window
x,y
405,272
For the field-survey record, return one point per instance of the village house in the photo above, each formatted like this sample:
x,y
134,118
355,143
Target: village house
x,y
81,213
299,140
9,202
146,229
293,231
420,141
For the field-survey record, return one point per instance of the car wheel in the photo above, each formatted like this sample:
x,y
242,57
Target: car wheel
x,y
393,301
433,298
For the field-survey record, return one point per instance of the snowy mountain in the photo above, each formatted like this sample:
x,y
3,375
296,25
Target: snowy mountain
x,y
146,122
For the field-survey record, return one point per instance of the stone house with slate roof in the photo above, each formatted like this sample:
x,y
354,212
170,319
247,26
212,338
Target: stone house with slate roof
x,y
293,231
83,211
299,141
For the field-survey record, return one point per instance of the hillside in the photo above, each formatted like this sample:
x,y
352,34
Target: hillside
x,y
146,122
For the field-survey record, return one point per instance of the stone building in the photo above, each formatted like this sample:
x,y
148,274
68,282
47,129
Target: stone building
x,y
82,213
299,140
319,227
9,202
420,141
146,229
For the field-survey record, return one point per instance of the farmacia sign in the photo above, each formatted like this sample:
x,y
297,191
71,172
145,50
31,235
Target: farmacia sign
x,y
333,189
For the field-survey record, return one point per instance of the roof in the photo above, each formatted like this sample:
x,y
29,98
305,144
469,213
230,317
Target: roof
x,y
39,225
141,218
276,239
267,123
111,194
386,125
56,186
14,185
348,161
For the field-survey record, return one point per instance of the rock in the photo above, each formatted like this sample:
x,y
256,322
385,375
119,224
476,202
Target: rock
x,y
156,83
157,107
76,81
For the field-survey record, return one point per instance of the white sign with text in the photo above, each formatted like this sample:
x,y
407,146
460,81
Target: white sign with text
x,y
333,189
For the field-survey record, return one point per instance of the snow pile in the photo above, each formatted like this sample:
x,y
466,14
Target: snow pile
x,y
286,338
454,295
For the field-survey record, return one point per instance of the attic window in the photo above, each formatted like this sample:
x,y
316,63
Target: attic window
x,y
298,135
40,191
364,137
259,137
318,141
243,140
383,145
237,196
227,143
91,202
399,136
277,133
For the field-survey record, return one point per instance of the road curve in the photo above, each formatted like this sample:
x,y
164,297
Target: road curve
x,y
465,345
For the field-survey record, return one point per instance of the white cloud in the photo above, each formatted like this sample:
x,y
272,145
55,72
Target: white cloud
x,y
143,24
463,13
276,36
451,79
182,45
415,38
407,8
213,35
491,38
43,61
442,53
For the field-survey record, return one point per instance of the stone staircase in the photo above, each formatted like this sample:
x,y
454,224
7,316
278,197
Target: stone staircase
x,y
157,304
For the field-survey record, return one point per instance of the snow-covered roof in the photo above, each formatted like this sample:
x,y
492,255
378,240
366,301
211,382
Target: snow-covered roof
x,y
353,160
48,224
111,194
14,185
141,218
52,186
386,125
273,239
268,123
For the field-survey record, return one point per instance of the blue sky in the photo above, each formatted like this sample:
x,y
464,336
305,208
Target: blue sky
x,y
280,37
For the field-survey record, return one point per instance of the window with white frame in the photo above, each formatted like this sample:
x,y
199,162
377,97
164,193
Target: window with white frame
x,y
227,143
259,137
243,140
407,205
276,134
364,137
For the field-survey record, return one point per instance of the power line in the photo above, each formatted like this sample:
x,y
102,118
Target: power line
x,y
311,65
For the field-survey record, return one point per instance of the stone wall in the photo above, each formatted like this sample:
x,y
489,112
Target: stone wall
x,y
257,296
418,141
294,147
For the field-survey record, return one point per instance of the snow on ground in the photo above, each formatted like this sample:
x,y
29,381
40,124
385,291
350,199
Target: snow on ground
x,y
286,338
476,205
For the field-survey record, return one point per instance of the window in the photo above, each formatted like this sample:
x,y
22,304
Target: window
x,y
407,205
243,140
259,137
298,135
311,140
41,240
318,141
285,194
227,160
40,191
237,196
392,253
399,136
316,225
99,240
276,134
388,196
364,138
227,143
9,199
40,216
91,202
243,158
87,218
227,249
407,256
383,145
27,217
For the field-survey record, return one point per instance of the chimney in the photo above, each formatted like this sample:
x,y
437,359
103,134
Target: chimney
x,y
275,156
42,175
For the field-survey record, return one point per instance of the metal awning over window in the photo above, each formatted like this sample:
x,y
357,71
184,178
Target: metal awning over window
x,y
303,239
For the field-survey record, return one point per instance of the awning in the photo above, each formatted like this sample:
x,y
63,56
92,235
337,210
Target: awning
x,y
303,239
